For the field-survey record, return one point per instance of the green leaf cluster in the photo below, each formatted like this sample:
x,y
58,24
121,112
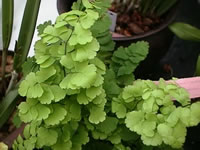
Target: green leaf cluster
x,y
68,81
126,60
149,110
73,98
113,132
103,36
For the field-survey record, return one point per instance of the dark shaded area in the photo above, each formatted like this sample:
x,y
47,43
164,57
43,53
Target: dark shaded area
x,y
63,5
182,57
180,60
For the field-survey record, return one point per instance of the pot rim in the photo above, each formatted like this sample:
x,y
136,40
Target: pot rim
x,y
169,19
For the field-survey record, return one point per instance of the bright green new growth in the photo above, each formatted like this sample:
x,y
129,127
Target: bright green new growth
x,y
74,98
149,111
68,86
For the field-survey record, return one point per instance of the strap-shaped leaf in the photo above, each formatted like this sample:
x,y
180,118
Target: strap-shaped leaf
x,y
7,21
185,31
26,33
7,24
7,105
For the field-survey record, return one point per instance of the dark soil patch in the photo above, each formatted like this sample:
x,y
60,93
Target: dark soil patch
x,y
8,128
8,69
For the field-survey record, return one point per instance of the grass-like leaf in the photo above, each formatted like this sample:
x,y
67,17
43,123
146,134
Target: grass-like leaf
x,y
185,31
26,33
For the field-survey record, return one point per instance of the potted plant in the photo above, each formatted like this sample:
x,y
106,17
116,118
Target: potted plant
x,y
74,101
153,15
9,81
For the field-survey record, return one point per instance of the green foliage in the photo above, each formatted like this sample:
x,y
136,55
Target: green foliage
x,y
103,36
73,98
197,71
155,7
110,85
30,66
7,105
3,146
185,31
26,33
22,46
16,121
41,27
125,60
7,22
149,111
68,81
164,6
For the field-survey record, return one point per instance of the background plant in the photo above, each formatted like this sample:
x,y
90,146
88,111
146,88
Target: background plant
x,y
74,100
146,7
10,94
139,16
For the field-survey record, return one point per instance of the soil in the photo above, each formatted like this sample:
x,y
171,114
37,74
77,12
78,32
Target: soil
x,y
9,64
9,69
133,23
8,128
9,132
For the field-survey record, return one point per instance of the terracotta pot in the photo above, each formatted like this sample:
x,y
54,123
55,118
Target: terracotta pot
x,y
159,40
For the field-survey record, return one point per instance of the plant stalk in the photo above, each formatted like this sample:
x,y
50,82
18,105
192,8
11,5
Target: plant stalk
x,y
7,23
12,81
26,33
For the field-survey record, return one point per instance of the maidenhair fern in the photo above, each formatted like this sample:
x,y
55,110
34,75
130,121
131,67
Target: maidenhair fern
x,y
149,111
73,98
68,82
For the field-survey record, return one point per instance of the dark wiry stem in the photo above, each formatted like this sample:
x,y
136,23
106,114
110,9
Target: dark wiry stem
x,y
3,70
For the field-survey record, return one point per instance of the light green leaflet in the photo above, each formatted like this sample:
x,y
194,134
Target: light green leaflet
x,y
82,92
